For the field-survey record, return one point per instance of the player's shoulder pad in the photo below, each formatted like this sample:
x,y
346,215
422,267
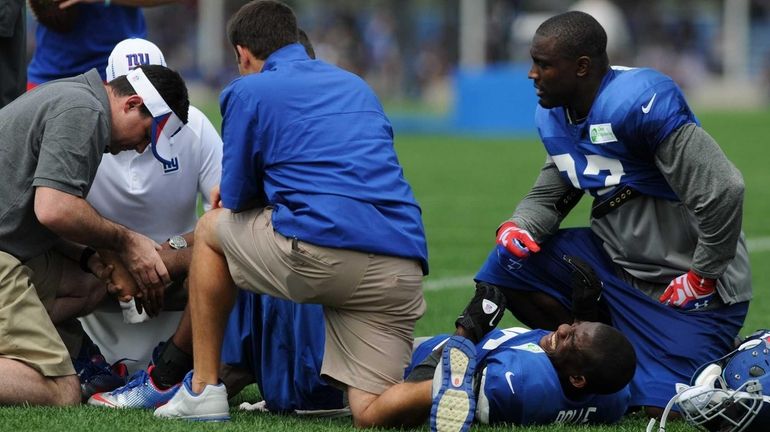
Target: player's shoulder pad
x,y
629,85
632,92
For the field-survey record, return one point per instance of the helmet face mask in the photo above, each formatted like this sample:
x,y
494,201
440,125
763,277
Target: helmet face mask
x,y
726,395
719,409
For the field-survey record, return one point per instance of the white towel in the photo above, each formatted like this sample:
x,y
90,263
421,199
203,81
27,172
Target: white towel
x,y
130,314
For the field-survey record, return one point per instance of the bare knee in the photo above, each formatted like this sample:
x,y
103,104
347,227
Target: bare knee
x,y
205,229
66,391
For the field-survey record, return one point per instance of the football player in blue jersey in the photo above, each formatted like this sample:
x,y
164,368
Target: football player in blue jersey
x,y
665,227
100,25
577,374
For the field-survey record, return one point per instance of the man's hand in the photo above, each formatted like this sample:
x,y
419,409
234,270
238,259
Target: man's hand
x,y
216,198
121,284
586,290
689,291
100,268
143,261
517,241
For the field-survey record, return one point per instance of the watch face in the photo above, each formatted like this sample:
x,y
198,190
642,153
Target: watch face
x,y
177,242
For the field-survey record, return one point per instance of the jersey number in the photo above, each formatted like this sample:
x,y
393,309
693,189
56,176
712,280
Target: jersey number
x,y
596,166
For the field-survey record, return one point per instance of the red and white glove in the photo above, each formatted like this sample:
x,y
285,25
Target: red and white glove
x,y
517,241
689,291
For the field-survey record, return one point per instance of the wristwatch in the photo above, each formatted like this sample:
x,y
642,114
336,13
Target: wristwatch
x,y
177,242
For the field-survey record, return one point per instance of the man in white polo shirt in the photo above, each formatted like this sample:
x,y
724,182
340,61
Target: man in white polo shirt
x,y
154,193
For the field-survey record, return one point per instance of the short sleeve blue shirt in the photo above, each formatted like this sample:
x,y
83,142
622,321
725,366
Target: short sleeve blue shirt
x,y
97,30
634,111
313,141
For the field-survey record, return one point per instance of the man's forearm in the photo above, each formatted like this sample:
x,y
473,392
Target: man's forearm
x,y
538,212
712,189
74,219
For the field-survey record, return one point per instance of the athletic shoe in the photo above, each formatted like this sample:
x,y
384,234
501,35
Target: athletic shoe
x,y
454,404
484,311
208,405
95,374
139,392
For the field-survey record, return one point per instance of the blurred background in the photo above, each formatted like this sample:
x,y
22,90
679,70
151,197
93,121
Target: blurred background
x,y
460,65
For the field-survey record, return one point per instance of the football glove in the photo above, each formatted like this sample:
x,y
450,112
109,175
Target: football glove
x,y
586,290
689,291
484,311
517,241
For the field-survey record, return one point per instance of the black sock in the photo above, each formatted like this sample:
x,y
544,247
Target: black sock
x,y
173,364
425,370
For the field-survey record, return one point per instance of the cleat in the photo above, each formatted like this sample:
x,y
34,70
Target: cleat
x,y
95,374
209,405
139,392
454,404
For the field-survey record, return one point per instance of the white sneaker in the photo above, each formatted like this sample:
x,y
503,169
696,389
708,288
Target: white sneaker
x,y
208,405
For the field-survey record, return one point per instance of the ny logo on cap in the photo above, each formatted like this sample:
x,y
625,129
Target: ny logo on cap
x,y
137,59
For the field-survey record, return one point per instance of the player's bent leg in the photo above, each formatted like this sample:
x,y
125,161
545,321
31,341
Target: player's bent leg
x,y
538,292
212,294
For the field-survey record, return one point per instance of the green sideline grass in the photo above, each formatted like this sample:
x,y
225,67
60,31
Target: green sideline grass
x,y
465,186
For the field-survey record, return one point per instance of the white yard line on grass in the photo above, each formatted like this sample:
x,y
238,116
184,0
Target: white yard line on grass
x,y
758,244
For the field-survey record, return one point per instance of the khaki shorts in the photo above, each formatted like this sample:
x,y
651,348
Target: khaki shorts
x,y
371,302
26,331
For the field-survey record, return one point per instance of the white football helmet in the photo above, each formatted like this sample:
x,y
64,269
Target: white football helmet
x,y
727,395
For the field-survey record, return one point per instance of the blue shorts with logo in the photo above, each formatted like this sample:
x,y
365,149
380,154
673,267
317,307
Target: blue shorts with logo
x,y
670,344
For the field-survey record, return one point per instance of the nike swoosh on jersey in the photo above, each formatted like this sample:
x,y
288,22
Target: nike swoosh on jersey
x,y
508,376
648,107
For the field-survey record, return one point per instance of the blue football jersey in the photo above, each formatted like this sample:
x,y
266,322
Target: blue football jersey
x,y
97,30
634,111
519,385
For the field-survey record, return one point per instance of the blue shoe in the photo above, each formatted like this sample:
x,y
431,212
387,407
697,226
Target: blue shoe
x,y
95,374
208,405
454,405
139,392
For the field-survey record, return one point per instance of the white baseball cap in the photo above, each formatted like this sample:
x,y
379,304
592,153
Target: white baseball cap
x,y
129,54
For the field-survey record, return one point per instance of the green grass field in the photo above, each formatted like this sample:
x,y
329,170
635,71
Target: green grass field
x,y
466,186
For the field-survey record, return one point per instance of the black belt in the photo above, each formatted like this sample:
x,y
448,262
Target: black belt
x,y
601,209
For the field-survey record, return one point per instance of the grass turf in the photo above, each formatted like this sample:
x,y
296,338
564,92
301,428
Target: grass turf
x,y
465,186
